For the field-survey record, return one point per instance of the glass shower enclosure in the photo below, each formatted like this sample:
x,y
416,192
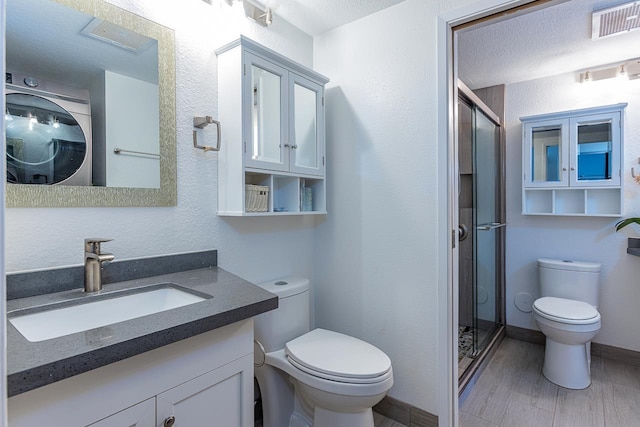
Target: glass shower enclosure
x,y
481,231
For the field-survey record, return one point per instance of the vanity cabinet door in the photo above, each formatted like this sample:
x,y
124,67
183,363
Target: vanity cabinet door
x,y
546,153
306,119
141,415
266,144
222,397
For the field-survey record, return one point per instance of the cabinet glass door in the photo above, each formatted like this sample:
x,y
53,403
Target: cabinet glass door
x,y
306,101
547,153
595,150
265,129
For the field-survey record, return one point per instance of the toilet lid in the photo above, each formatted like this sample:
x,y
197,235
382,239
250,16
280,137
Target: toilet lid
x,y
337,356
566,310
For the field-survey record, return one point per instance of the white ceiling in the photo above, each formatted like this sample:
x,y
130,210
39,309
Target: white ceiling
x,y
319,16
551,41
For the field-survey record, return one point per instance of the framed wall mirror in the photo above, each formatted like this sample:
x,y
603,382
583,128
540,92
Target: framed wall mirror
x,y
90,96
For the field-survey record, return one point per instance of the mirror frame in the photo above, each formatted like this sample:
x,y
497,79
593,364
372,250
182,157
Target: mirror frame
x,y
61,196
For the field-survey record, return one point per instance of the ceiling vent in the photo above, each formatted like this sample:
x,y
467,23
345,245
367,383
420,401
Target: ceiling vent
x,y
615,20
116,35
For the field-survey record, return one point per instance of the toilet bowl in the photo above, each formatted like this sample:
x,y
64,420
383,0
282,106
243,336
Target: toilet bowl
x,y
315,378
567,315
569,326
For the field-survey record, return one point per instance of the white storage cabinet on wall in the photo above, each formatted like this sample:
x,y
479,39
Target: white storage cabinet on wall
x,y
272,111
572,162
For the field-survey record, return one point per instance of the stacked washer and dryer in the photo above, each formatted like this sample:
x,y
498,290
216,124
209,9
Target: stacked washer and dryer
x,y
48,130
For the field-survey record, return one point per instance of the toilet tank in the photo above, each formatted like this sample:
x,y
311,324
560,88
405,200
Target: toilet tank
x,y
577,280
292,317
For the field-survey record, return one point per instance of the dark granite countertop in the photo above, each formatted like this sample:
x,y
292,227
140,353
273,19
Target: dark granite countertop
x,y
634,246
34,364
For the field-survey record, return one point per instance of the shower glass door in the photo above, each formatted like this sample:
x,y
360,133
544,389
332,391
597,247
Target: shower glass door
x,y
487,228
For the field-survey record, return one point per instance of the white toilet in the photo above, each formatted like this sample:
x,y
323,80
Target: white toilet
x,y
567,315
314,378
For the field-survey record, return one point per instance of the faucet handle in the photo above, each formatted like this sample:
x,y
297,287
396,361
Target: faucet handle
x,y
92,244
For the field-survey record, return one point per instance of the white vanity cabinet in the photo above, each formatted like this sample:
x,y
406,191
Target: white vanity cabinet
x,y
200,381
141,415
215,398
273,114
572,162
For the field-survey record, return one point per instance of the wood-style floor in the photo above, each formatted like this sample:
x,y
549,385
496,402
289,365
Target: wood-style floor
x,y
513,392
381,421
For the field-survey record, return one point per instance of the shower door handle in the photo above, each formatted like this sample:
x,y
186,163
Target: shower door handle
x,y
491,226
463,232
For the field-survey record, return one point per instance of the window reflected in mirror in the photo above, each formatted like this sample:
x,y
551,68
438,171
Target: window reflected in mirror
x,y
594,151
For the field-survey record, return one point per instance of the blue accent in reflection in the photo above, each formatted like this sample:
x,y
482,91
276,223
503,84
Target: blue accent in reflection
x,y
552,163
594,166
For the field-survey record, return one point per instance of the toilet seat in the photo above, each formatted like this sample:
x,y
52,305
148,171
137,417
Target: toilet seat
x,y
566,311
338,357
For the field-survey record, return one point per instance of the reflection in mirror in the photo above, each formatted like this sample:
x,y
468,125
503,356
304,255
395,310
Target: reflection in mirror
x,y
117,72
46,144
546,154
265,115
594,151
305,126
104,77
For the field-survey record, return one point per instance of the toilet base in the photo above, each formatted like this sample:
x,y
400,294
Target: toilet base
x,y
567,365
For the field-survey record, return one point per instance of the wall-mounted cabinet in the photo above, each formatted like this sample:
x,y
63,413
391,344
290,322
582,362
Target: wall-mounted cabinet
x,y
273,136
572,162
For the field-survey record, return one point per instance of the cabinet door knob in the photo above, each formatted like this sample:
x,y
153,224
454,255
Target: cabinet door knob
x,y
564,169
573,169
294,146
169,421
286,146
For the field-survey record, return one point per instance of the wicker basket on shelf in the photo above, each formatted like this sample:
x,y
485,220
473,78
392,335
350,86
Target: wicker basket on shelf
x,y
256,198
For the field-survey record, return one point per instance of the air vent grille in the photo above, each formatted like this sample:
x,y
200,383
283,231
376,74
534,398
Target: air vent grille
x,y
116,35
615,20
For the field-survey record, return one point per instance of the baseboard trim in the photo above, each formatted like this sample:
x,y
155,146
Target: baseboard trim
x,y
604,351
406,414
524,334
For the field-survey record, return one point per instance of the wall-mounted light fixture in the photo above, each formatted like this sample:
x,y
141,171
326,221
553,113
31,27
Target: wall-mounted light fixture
x,y
622,73
629,70
255,12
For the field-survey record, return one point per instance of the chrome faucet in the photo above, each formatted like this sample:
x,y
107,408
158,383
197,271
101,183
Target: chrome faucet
x,y
93,259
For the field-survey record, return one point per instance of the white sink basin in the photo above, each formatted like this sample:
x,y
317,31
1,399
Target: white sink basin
x,y
101,310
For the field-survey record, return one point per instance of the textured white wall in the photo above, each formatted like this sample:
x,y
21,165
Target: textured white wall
x,y
590,239
377,251
254,248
